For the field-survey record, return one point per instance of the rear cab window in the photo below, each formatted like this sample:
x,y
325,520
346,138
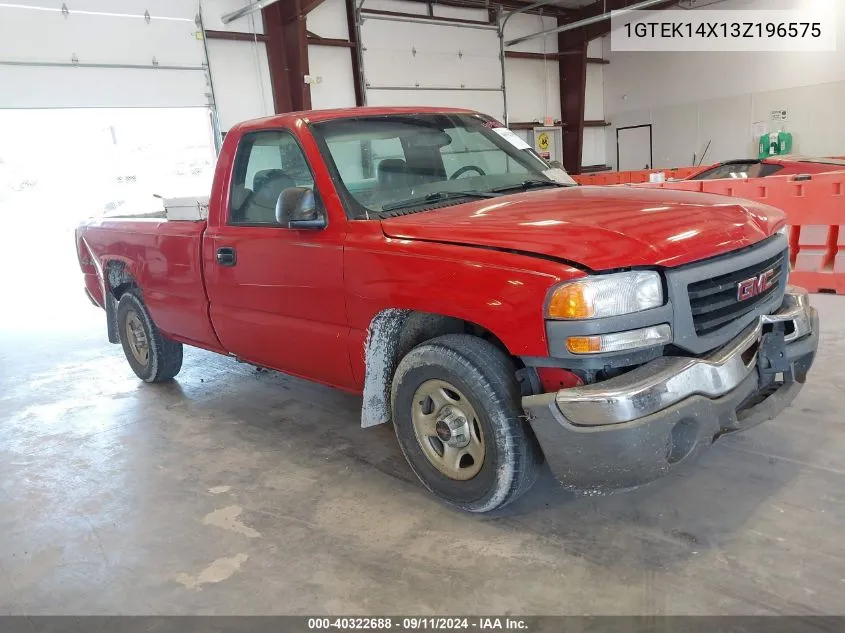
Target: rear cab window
x,y
750,169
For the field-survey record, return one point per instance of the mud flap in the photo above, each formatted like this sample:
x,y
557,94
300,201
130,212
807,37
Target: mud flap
x,y
111,317
380,357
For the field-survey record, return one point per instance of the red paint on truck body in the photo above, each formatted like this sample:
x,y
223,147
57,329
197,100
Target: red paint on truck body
x,y
301,301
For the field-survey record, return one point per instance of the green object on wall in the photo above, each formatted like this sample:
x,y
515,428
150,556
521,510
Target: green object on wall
x,y
775,144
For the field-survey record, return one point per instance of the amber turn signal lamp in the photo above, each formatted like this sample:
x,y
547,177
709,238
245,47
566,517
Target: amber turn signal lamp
x,y
570,302
583,344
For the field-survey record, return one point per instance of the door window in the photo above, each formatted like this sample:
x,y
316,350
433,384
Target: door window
x,y
266,164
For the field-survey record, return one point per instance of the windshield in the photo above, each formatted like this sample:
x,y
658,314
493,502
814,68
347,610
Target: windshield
x,y
419,161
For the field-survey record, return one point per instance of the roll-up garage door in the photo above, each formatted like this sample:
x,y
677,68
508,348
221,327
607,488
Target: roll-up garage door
x,y
101,53
411,61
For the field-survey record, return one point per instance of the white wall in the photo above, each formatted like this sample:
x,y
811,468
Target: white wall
x,y
693,98
452,59
241,78
533,86
213,10
329,20
239,70
332,66
595,138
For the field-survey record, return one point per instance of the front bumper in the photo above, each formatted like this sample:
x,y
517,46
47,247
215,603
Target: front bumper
x,y
634,428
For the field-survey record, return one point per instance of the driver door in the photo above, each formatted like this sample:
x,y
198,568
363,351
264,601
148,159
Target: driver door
x,y
276,293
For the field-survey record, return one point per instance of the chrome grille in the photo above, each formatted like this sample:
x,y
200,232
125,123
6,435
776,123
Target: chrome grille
x,y
715,302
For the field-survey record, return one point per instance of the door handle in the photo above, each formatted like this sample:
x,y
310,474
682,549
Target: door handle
x,y
226,256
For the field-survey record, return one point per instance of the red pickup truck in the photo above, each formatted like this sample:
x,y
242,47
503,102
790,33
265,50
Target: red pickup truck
x,y
496,314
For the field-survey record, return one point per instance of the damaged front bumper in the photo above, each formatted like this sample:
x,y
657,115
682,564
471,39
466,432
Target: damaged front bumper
x,y
634,428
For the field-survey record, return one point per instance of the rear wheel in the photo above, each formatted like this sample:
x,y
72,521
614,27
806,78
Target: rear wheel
x,y
460,424
152,356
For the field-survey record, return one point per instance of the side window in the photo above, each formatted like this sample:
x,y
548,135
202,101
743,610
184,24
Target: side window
x,y
266,164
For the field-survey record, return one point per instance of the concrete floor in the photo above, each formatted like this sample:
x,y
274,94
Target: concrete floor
x,y
237,491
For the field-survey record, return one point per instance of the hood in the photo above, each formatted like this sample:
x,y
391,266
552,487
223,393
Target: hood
x,y
600,228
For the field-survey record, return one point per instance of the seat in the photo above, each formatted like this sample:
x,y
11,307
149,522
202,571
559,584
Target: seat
x,y
393,174
260,206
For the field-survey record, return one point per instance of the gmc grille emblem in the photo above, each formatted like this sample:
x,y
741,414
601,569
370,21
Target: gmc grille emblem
x,y
755,286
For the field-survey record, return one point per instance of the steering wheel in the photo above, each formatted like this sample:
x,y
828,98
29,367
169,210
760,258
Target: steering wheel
x,y
465,169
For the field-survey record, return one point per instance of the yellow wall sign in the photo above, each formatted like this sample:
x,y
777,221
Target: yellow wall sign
x,y
543,141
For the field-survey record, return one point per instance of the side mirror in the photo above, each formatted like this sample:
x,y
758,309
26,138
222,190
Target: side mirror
x,y
297,208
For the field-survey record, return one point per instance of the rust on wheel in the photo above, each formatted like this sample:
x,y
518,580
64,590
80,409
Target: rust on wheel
x,y
448,430
136,337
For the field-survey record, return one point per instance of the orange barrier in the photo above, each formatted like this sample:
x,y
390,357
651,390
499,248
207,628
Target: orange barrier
x,y
634,177
815,210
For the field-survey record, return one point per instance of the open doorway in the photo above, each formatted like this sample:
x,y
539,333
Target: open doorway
x,y
634,148
61,166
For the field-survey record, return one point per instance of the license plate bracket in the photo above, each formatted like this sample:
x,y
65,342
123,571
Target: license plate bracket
x,y
771,355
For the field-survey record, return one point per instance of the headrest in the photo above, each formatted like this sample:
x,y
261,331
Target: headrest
x,y
393,174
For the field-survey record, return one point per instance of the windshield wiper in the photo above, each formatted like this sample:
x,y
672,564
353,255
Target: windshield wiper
x,y
530,184
436,196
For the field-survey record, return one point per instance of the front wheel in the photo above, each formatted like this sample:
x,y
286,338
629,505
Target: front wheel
x,y
460,424
152,356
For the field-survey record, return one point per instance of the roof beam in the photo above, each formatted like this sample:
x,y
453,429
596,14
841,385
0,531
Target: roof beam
x,y
292,8
520,5
235,35
598,12
602,28
328,41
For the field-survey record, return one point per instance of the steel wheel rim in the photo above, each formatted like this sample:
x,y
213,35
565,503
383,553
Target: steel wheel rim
x,y
136,338
447,430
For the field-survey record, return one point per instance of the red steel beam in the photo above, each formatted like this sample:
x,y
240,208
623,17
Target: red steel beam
x,y
539,56
237,36
329,41
573,91
357,79
287,54
421,16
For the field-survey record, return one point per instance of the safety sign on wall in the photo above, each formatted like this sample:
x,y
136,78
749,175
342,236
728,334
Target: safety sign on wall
x,y
543,144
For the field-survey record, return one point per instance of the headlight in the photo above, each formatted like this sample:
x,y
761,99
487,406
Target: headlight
x,y
606,295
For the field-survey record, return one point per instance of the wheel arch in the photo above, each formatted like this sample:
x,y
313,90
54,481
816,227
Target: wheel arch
x,y
118,279
392,333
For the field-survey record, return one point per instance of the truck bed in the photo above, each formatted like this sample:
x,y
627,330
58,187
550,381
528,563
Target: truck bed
x,y
165,257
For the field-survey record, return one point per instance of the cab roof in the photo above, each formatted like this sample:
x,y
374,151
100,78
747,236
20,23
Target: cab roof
x,y
291,119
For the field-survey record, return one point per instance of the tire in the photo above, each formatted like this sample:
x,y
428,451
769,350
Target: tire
x,y
482,378
163,358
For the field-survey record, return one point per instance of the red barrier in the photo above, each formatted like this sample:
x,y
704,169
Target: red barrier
x,y
634,177
815,210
